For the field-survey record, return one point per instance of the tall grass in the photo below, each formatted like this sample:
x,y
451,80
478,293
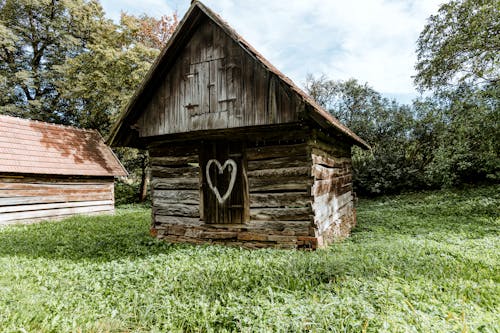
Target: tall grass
x,y
415,263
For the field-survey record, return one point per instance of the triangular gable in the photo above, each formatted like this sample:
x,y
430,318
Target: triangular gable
x,y
259,94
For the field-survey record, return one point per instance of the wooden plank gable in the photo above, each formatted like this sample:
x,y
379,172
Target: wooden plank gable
x,y
215,84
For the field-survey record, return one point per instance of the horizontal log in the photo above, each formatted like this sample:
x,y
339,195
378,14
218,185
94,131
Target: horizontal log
x,y
322,158
266,152
321,172
173,220
24,208
330,149
219,235
163,208
173,160
291,199
278,226
279,162
172,150
41,186
281,184
291,132
175,183
179,172
270,214
51,213
331,202
61,180
282,239
252,236
10,201
291,171
334,187
51,192
191,197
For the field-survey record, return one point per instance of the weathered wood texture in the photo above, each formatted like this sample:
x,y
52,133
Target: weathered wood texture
x,y
334,213
25,199
278,199
175,185
216,84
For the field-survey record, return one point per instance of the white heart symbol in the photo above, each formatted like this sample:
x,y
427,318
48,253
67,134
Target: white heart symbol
x,y
233,170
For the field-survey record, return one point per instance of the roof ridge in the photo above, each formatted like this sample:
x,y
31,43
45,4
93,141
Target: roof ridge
x,y
48,124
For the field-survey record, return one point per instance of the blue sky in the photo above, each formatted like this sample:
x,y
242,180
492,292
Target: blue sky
x,y
373,41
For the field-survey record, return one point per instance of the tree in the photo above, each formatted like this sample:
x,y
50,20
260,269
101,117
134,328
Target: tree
x,y
394,163
468,147
358,106
459,58
99,82
36,37
460,44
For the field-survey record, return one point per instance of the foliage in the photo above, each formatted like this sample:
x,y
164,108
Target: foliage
x,y
460,44
468,149
126,192
36,37
415,263
101,80
63,62
394,163
443,140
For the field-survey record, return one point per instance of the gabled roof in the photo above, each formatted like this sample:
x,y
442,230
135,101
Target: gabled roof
x,y
123,132
33,147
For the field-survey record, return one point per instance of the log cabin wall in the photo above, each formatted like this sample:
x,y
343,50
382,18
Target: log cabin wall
x,y
37,197
332,192
278,211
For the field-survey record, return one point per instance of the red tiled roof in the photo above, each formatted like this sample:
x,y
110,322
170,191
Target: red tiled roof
x,y
34,147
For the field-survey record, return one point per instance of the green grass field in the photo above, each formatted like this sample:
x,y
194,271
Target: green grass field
x,y
415,263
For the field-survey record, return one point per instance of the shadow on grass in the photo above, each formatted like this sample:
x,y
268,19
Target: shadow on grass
x,y
99,238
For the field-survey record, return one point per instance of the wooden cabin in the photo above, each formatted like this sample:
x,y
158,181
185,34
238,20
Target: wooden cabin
x,y
239,154
51,171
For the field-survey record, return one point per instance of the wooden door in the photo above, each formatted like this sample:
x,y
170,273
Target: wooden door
x,y
224,186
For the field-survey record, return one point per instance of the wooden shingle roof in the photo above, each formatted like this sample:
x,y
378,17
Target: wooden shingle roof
x,y
124,132
32,147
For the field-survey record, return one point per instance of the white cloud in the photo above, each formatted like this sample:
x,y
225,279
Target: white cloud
x,y
370,40
157,8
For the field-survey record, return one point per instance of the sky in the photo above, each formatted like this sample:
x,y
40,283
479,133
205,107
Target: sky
x,y
373,41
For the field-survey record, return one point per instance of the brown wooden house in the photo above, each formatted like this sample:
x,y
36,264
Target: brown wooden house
x,y
239,154
50,171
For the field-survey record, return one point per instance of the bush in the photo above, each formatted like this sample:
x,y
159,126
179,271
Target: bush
x,y
127,193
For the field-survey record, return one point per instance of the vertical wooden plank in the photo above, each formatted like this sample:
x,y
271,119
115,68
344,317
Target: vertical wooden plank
x,y
184,95
212,89
204,81
272,103
165,88
261,79
221,85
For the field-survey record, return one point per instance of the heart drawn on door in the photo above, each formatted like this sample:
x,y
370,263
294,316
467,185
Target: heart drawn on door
x,y
233,168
